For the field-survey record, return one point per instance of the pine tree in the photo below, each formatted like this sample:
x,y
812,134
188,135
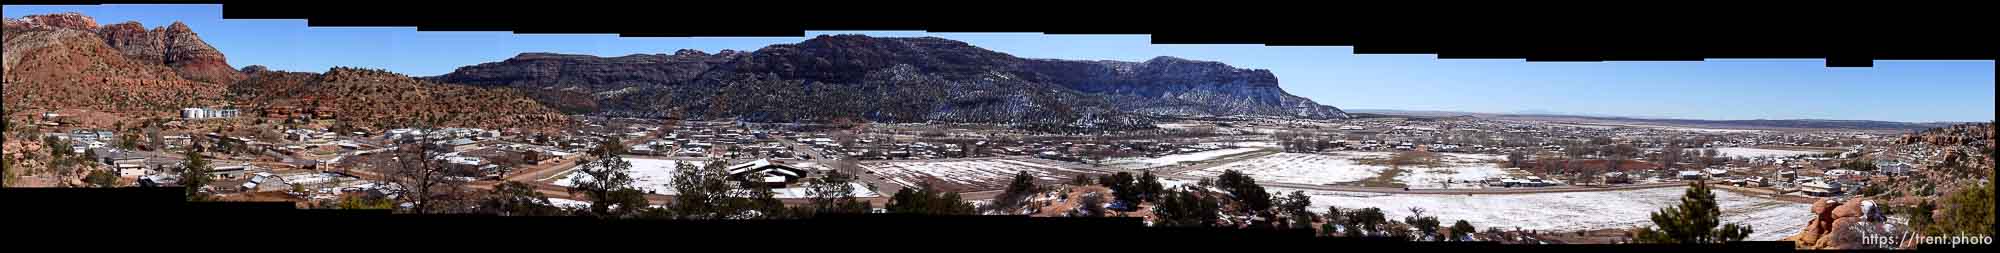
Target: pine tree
x,y
1694,221
194,175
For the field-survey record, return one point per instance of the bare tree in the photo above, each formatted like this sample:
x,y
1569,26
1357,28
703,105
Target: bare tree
x,y
1670,154
424,181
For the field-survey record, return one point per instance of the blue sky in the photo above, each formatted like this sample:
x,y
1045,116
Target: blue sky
x,y
1716,89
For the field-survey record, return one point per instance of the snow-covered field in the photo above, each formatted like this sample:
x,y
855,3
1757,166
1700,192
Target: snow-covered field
x,y
1460,170
1571,211
966,175
1758,152
1149,162
1298,169
656,176
650,175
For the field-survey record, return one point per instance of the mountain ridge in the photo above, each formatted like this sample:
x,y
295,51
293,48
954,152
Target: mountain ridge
x,y
971,79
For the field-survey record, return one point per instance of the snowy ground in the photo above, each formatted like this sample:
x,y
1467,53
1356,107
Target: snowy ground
x,y
1298,169
650,175
569,203
1150,162
1458,170
966,175
1572,211
656,176
1758,152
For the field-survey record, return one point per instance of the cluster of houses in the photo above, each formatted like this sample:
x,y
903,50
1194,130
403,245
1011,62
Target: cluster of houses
x,y
81,140
1529,181
871,149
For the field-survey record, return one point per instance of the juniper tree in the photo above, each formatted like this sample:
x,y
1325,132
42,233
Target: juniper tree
x,y
833,193
1149,186
517,199
101,178
1460,229
1017,192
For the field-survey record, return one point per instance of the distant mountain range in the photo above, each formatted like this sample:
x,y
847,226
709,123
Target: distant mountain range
x,y
67,60
1753,124
855,77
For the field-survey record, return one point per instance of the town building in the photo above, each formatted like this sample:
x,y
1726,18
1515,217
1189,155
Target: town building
x,y
767,173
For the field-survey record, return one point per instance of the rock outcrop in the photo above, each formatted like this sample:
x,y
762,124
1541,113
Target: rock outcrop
x,y
1837,225
175,46
62,61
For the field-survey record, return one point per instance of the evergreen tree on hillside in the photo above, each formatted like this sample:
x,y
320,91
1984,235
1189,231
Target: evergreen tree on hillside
x,y
701,192
1460,229
1365,221
1967,211
1180,208
517,199
1149,186
1295,209
101,178
1017,192
1427,226
1123,189
928,200
607,183
194,175
1694,221
833,193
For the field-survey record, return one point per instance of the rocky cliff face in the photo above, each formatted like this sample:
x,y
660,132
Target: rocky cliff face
x,y
1174,86
896,80
63,61
175,46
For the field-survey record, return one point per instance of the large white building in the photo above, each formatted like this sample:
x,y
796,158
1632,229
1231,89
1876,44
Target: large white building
x,y
207,113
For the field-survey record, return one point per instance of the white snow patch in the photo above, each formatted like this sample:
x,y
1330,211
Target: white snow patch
x,y
654,176
1572,211
963,172
569,203
1144,162
1298,169
1459,170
